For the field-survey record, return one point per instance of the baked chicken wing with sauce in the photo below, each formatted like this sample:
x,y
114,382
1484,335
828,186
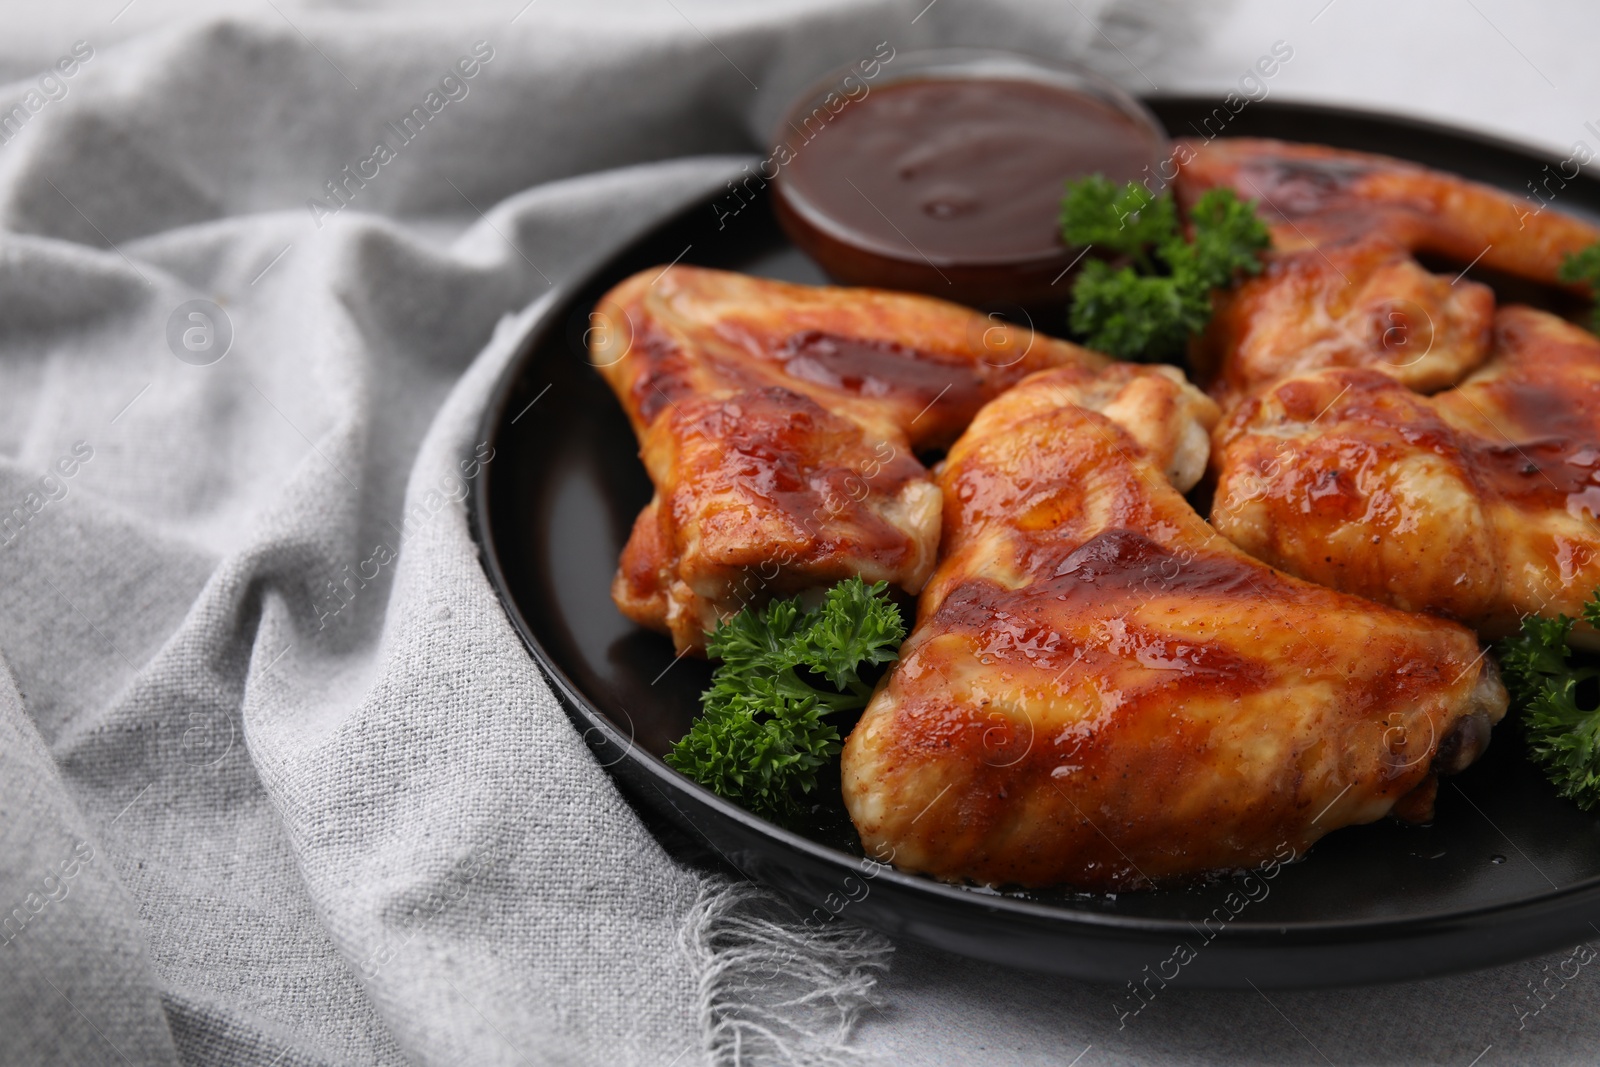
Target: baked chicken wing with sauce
x,y
779,424
1101,691
1481,503
1341,286
1476,502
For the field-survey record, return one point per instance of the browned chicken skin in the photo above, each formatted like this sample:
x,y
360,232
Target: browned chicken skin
x,y
1103,692
779,422
1340,287
1365,304
1100,689
1316,196
1479,503
1476,503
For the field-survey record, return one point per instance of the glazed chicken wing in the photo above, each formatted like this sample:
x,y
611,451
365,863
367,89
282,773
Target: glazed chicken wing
x,y
1475,504
1340,287
1316,196
1103,692
1479,503
779,422
1366,304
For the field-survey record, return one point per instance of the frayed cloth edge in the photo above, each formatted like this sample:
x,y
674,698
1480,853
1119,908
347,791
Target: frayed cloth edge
x,y
773,991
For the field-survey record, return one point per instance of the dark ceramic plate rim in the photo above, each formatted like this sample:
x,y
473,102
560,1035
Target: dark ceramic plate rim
x,y
1275,935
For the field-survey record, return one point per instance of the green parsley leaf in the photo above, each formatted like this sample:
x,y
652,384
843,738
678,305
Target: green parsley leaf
x,y
1562,738
1584,267
1563,735
1227,238
856,627
757,748
1538,652
752,641
1151,307
1123,312
1128,220
761,735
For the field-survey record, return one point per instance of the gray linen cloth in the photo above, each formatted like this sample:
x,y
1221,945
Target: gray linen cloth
x,y
278,784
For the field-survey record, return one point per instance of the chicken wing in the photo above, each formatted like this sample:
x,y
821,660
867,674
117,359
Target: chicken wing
x,y
779,425
1100,691
1366,304
1340,287
1479,503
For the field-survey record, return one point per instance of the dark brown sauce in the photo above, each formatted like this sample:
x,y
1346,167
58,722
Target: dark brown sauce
x,y
1557,410
665,377
1125,560
1103,578
1302,187
807,465
1553,472
1560,469
961,170
1562,466
872,368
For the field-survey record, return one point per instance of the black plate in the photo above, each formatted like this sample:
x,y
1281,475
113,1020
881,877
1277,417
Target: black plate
x,y
1508,869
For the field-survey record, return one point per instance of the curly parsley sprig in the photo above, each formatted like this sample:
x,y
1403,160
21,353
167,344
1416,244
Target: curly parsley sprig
x,y
1584,267
1150,307
1563,735
762,733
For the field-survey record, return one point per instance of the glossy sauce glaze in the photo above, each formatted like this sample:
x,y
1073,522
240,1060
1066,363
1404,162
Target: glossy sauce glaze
x,y
1477,503
1313,195
874,368
1100,691
952,185
780,449
780,424
1536,411
1538,471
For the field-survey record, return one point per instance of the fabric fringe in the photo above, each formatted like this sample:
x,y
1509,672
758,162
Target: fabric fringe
x,y
772,991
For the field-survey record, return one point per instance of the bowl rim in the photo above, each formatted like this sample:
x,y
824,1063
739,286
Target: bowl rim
x,y
952,64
